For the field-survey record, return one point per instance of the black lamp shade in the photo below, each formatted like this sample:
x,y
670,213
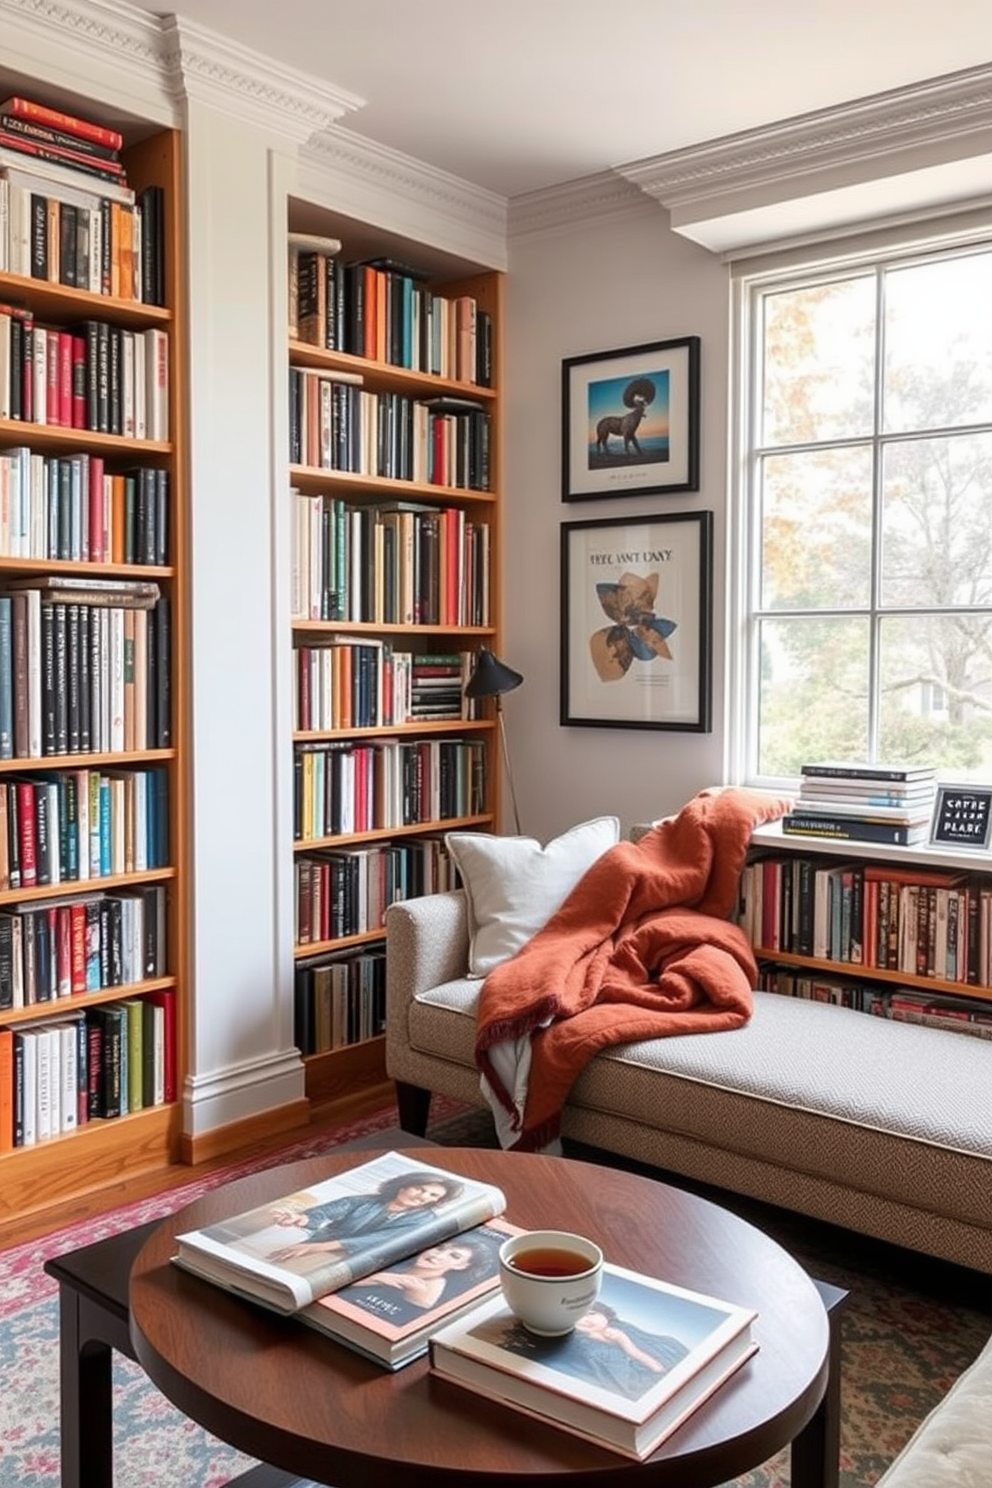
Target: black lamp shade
x,y
491,677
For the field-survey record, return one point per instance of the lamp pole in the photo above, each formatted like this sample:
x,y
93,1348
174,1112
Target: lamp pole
x,y
506,762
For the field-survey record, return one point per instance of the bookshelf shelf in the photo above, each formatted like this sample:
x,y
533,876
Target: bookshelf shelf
x,y
115,941
883,923
410,562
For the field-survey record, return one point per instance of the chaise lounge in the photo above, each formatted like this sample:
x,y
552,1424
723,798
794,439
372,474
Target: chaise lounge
x,y
885,1128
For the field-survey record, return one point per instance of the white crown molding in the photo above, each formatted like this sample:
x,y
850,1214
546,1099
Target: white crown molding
x,y
954,108
150,66
943,122
584,201
375,184
113,45
208,68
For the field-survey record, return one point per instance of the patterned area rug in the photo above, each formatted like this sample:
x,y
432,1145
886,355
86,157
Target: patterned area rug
x,y
910,1327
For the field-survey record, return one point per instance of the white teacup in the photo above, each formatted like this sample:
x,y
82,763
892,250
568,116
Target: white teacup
x,y
550,1278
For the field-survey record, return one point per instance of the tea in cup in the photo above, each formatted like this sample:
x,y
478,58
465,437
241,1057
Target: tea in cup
x,y
550,1278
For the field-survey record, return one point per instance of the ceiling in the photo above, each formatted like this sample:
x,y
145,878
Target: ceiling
x,y
519,95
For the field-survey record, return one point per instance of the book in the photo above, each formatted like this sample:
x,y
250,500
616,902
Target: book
x,y
26,108
865,810
390,1315
846,770
287,1253
855,829
643,1357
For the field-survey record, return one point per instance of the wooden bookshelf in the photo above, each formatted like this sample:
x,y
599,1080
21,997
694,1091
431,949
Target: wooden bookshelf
x,y
348,483
101,1151
860,923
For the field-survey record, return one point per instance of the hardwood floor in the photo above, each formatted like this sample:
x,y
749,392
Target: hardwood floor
x,y
87,1206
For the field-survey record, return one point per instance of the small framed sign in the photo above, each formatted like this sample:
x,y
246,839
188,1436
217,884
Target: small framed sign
x,y
962,817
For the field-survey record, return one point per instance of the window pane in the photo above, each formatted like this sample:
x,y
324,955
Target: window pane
x,y
816,529
938,344
937,522
819,352
935,695
814,692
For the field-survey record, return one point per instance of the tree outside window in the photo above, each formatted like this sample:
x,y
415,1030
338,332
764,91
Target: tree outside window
x,y
868,512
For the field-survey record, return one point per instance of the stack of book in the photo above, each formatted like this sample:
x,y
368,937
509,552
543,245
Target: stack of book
x,y
855,802
69,214
396,1258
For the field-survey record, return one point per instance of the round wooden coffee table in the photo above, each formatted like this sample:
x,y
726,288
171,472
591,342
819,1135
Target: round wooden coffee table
x,y
282,1393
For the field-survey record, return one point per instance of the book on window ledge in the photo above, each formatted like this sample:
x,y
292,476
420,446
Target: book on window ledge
x,y
390,1315
855,828
289,1252
642,1358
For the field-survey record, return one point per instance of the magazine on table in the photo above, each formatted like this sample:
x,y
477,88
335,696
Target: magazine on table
x,y
294,1249
390,1315
640,1360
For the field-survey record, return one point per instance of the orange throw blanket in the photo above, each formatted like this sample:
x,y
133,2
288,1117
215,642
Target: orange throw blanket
x,y
641,948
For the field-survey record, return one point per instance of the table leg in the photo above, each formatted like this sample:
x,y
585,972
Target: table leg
x,y
816,1450
86,1431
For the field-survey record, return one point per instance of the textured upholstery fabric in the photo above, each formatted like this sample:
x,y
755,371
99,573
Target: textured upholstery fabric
x,y
952,1448
883,1127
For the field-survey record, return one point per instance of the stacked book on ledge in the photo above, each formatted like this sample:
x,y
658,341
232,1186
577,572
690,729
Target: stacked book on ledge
x,y
853,802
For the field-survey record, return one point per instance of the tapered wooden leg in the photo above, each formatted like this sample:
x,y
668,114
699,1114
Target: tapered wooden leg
x,y
414,1106
86,1427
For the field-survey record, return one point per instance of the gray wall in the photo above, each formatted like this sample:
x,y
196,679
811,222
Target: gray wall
x,y
618,279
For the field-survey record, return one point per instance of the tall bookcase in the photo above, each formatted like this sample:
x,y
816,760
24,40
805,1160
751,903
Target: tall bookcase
x,y
395,471
132,760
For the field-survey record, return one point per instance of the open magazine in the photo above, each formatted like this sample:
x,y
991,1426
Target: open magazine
x,y
640,1360
293,1250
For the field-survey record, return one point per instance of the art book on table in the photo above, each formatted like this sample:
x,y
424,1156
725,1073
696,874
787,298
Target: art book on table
x,y
288,1252
390,1315
642,1358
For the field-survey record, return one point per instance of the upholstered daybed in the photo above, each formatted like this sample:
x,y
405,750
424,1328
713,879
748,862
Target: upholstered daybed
x,y
883,1127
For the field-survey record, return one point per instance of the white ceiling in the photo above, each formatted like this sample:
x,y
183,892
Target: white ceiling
x,y
519,95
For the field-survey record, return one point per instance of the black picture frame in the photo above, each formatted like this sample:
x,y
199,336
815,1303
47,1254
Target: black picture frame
x,y
636,622
962,817
630,421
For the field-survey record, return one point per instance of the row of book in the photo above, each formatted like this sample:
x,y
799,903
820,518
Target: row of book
x,y
389,563
902,1004
72,826
916,921
346,684
107,378
84,667
70,507
347,891
60,948
67,213
336,425
343,787
387,312
339,1001
90,1066
849,801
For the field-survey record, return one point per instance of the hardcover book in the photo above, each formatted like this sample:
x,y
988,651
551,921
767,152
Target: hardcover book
x,y
291,1251
643,1357
390,1315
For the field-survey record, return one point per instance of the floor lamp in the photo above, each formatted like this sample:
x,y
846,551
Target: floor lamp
x,y
491,678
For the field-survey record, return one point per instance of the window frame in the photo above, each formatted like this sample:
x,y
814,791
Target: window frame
x,y
750,280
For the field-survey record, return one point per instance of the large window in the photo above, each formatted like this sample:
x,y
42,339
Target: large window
x,y
866,515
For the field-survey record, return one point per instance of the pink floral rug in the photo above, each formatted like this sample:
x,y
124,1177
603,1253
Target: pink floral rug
x,y
910,1326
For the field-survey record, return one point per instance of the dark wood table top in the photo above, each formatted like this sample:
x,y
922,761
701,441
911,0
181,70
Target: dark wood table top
x,y
281,1392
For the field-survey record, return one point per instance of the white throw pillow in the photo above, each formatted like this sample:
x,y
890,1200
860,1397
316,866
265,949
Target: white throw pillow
x,y
514,885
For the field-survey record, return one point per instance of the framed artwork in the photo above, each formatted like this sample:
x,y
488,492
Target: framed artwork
x,y
630,421
962,817
636,622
